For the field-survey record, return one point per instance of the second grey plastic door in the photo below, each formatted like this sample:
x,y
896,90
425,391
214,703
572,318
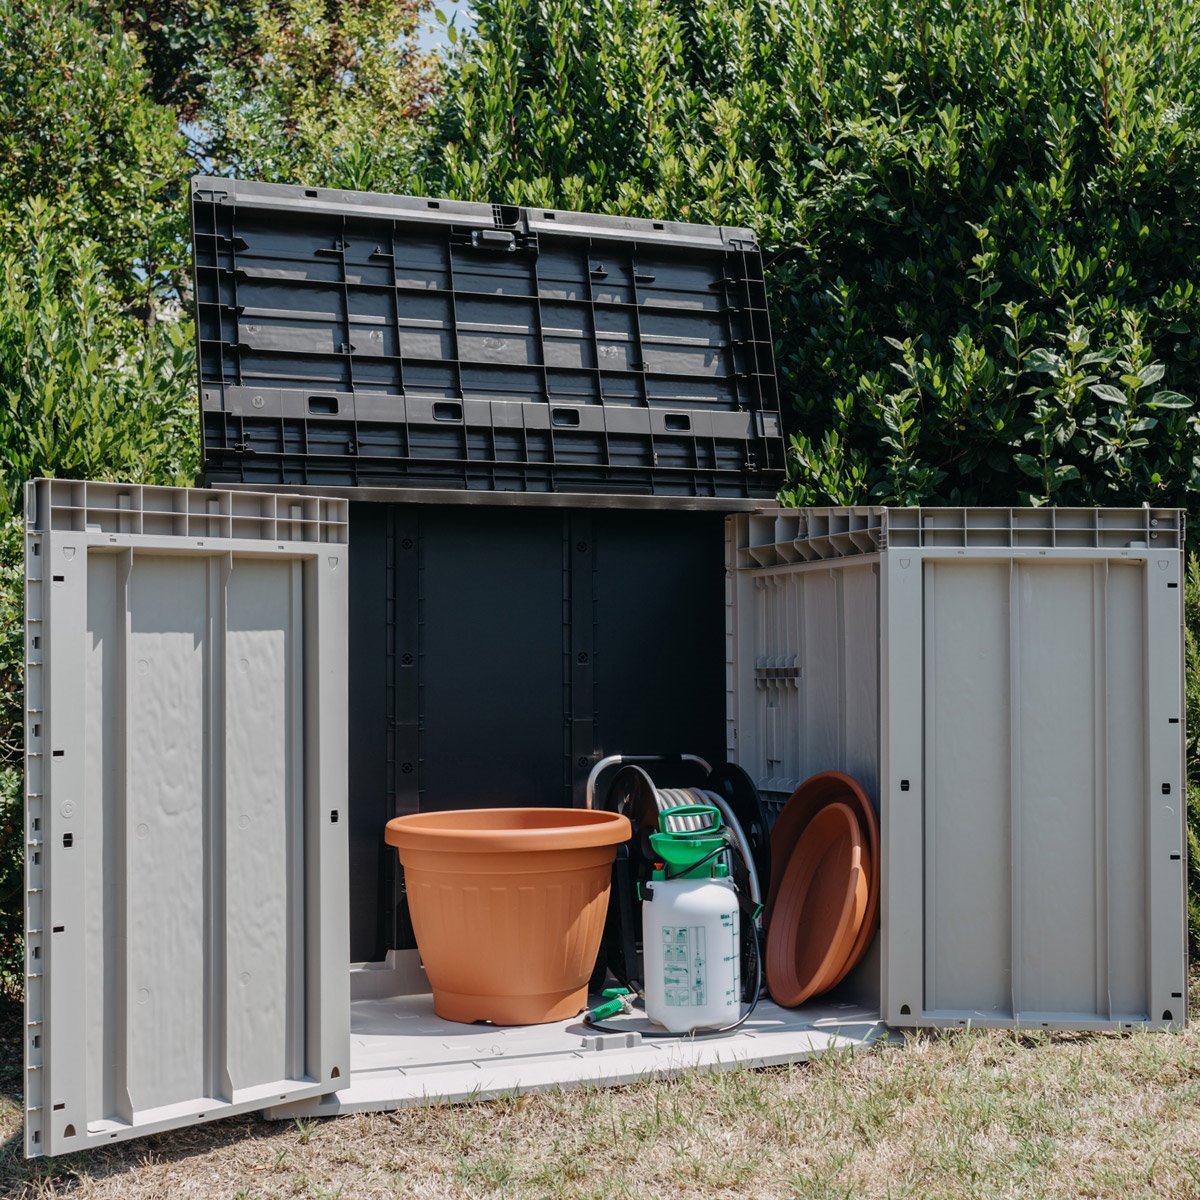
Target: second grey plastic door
x,y
186,893
1033,770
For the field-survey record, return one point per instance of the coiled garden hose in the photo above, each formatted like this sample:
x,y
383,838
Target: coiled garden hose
x,y
675,797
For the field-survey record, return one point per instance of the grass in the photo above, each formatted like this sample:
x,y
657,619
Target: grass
x,y
963,1115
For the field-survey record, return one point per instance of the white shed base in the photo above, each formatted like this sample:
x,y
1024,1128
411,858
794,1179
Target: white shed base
x,y
402,1054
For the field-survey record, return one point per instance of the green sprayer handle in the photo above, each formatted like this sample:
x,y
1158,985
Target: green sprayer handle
x,y
690,810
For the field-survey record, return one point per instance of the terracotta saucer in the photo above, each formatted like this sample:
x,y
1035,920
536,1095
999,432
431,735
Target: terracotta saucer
x,y
805,802
820,907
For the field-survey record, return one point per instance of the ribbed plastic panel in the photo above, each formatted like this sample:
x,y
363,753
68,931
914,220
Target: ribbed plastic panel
x,y
548,618
132,508
353,339
185,774
1034,528
797,535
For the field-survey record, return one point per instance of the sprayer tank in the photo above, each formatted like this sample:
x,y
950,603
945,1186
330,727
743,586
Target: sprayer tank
x,y
692,941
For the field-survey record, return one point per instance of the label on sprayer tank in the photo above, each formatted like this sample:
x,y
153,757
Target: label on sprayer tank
x,y
683,965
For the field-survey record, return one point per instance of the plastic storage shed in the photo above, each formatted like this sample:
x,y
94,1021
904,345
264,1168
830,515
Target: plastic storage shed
x,y
484,403
882,642
1007,684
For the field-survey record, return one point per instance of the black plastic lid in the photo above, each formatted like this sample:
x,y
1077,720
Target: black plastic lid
x,y
357,340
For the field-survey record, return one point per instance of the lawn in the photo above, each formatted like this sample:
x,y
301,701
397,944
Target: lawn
x,y
965,1115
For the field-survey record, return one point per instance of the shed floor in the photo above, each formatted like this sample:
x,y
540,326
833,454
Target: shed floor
x,y
402,1054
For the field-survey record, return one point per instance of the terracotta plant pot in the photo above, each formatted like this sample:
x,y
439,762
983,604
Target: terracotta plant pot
x,y
508,906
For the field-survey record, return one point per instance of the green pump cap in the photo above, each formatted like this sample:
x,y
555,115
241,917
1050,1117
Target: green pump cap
x,y
685,852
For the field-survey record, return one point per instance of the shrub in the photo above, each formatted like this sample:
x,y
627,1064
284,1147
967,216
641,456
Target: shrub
x,y
85,392
317,93
96,365
980,217
78,132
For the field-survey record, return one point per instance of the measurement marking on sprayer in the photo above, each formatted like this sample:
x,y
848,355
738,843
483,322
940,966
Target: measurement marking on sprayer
x,y
683,965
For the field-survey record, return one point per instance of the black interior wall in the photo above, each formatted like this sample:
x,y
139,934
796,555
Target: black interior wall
x,y
497,653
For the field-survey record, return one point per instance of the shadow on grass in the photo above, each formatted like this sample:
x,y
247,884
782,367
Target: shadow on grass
x,y
61,1176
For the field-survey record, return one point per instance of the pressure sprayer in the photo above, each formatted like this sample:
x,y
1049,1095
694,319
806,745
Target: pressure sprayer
x,y
691,930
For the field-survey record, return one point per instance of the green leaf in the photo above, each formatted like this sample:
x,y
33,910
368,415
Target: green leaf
x,y
1169,399
1107,392
1043,361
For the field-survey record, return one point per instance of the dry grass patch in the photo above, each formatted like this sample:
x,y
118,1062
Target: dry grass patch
x,y
965,1115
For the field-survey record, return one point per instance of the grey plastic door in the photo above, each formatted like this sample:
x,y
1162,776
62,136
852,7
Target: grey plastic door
x,y
1033,820
186,894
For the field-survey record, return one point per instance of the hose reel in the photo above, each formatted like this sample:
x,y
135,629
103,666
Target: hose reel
x,y
634,793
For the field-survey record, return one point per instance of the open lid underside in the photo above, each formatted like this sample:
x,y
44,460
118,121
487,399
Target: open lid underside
x,y
351,339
